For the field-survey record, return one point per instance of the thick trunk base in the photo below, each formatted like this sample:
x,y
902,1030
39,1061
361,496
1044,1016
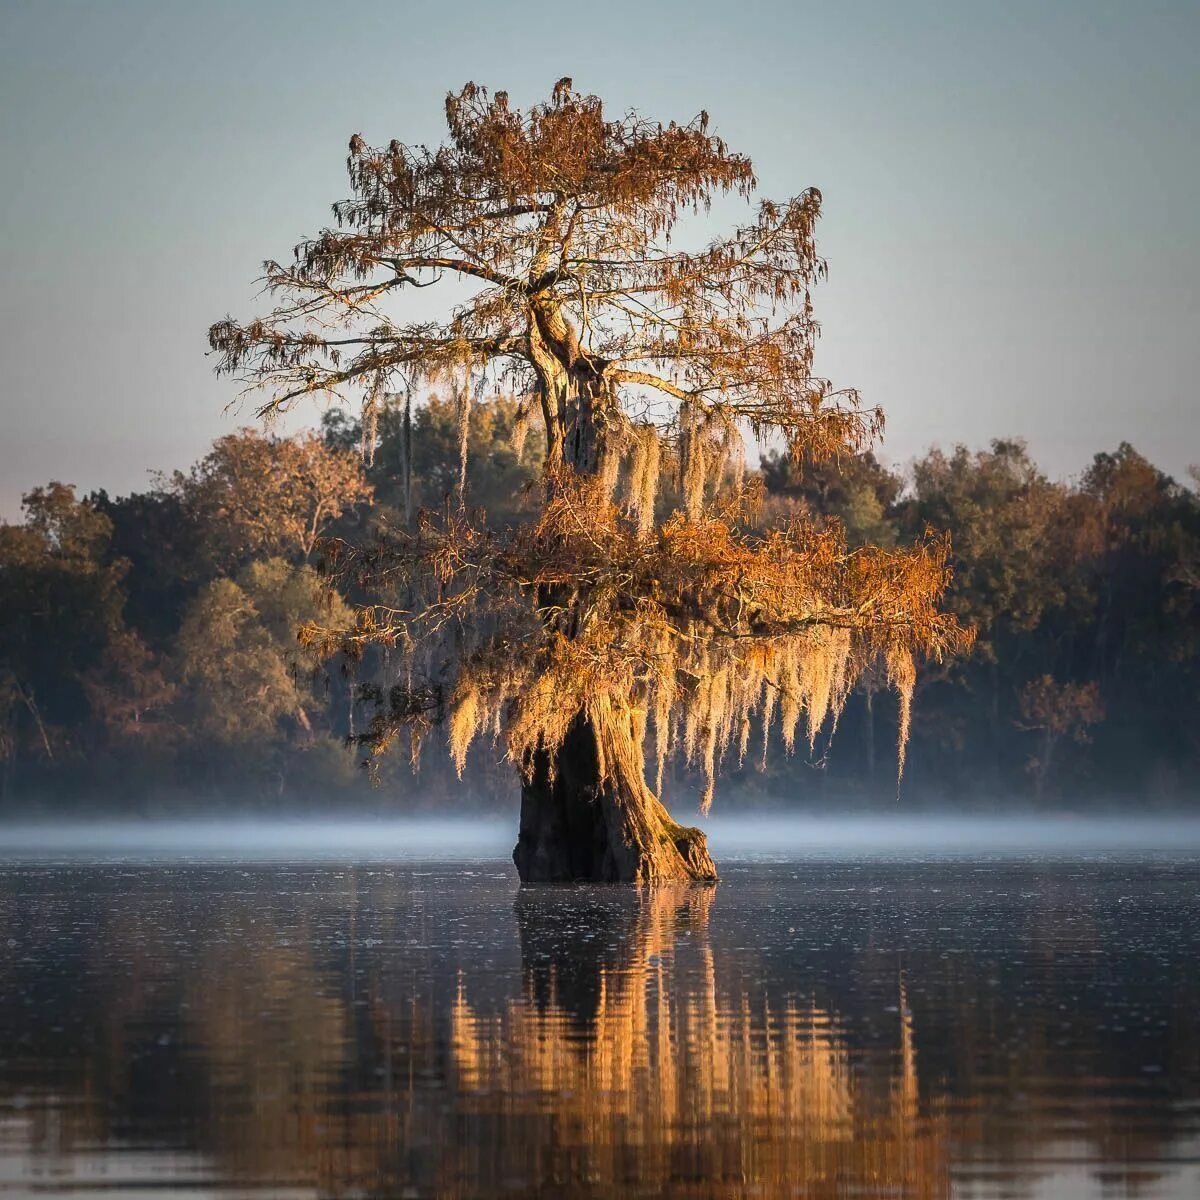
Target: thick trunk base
x,y
582,823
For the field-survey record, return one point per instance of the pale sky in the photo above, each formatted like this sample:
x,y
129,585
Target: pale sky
x,y
1012,195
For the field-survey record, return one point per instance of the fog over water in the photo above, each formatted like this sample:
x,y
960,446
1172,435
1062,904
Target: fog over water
x,y
774,837
916,1006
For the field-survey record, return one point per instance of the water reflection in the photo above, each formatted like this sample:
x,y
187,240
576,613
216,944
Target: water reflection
x,y
635,1071
818,1031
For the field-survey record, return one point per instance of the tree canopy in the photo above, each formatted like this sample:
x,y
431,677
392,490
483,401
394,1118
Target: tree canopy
x,y
650,366
1079,691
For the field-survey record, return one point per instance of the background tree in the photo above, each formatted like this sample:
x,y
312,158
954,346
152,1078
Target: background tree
x,y
855,488
242,676
414,455
168,551
255,495
569,635
1056,711
1143,528
1114,562
1008,522
130,693
60,605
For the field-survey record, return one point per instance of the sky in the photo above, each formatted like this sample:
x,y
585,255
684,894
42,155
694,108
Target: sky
x,y
1011,212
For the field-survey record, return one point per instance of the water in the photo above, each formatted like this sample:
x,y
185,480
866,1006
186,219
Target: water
x,y
853,1026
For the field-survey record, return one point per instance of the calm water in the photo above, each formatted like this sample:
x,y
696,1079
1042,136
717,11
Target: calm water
x,y
820,1028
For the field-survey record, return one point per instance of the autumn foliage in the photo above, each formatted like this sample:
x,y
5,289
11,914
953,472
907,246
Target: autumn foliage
x,y
642,595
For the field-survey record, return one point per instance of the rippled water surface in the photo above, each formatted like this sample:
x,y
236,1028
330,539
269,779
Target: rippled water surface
x,y
820,1028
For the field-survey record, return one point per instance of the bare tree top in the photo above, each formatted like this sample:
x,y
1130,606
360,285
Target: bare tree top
x,y
560,220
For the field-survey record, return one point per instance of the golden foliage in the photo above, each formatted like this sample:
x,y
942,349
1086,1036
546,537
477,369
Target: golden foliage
x,y
658,1065
703,627
560,221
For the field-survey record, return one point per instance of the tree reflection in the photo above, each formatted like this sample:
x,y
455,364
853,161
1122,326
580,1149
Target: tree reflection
x,y
678,1080
355,1035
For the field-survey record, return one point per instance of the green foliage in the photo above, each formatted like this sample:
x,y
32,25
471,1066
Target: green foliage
x,y
245,683
60,605
237,685
87,701
497,476
1006,518
856,489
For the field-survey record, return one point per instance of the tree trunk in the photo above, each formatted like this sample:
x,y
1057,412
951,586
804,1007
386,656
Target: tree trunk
x,y
588,815
1043,767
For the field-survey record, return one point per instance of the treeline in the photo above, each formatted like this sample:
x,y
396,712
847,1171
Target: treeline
x,y
1084,682
148,657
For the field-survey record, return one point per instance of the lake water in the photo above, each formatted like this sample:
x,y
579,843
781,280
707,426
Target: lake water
x,y
853,1025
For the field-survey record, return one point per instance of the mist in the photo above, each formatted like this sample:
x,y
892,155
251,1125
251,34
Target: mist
x,y
489,839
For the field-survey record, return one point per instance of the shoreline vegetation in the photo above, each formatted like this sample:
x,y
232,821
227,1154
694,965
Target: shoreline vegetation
x,y
149,664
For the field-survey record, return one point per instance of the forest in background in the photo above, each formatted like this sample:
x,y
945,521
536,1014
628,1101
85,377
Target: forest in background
x,y
149,660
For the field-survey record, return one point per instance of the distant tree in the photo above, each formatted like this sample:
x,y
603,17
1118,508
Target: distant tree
x,y
1144,640
1056,711
164,544
236,685
254,496
241,672
60,607
1183,576
129,692
10,707
421,443
855,488
1009,525
569,635
1002,510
